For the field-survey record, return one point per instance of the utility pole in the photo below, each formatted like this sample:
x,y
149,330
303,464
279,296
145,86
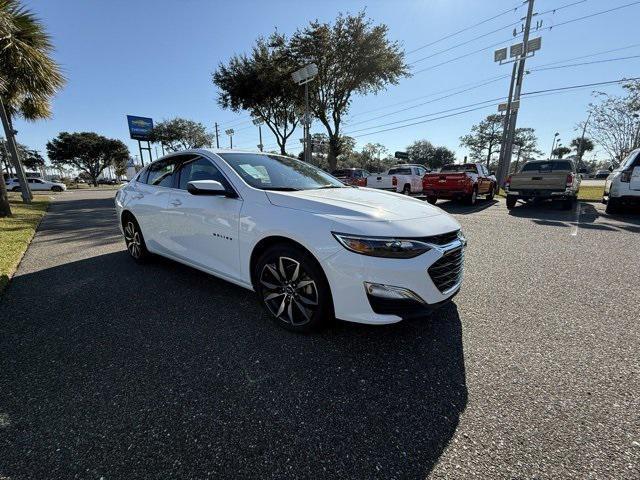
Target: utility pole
x,y
217,140
505,128
506,160
553,144
9,133
303,77
580,151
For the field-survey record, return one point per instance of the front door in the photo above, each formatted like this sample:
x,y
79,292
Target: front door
x,y
203,229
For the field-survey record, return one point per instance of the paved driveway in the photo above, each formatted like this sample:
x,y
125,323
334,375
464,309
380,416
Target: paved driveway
x,y
109,369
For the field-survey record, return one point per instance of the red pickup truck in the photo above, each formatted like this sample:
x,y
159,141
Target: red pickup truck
x,y
465,181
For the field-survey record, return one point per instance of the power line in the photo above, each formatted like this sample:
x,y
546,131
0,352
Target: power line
x,y
589,55
430,101
482,105
546,28
482,22
606,60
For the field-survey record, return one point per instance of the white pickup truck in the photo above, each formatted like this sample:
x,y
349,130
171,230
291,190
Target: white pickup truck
x,y
404,178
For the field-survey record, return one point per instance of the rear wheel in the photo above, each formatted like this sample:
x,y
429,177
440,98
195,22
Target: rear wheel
x,y
492,193
56,189
15,189
134,240
406,190
473,198
511,201
432,199
293,289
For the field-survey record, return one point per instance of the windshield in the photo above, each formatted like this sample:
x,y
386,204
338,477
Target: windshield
x,y
273,172
627,162
547,166
467,167
400,171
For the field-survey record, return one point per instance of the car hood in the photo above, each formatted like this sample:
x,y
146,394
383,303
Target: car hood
x,y
355,204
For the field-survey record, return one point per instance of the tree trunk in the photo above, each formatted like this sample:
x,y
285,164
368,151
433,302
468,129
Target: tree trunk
x,y
333,152
489,156
13,152
5,208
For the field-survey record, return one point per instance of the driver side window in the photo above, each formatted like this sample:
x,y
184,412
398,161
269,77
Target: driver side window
x,y
199,169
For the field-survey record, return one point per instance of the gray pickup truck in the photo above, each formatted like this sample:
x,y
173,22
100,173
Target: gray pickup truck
x,y
555,180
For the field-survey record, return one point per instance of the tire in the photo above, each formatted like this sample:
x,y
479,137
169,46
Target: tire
x,y
432,199
613,206
511,201
56,189
473,198
134,239
569,203
406,190
15,189
492,193
293,289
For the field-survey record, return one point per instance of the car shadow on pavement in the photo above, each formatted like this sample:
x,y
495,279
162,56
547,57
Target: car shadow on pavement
x,y
461,208
124,371
588,217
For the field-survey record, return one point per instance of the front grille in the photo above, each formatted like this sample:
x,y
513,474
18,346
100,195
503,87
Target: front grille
x,y
441,239
447,271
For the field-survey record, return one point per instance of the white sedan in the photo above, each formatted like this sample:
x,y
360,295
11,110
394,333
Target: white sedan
x,y
36,184
309,246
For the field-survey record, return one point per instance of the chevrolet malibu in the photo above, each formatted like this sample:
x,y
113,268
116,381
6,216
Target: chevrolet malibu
x,y
310,247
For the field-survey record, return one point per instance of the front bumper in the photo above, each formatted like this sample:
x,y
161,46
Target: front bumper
x,y
347,273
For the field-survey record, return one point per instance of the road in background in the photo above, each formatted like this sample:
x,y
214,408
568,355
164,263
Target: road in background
x,y
110,369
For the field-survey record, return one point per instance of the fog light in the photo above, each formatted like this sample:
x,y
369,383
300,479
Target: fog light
x,y
390,292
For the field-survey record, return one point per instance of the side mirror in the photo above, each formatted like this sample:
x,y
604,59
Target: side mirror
x,y
206,187
610,168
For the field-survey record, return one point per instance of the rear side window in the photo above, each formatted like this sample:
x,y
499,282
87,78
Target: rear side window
x,y
563,165
199,169
400,171
467,167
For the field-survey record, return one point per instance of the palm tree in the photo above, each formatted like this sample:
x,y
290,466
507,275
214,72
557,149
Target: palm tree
x,y
28,75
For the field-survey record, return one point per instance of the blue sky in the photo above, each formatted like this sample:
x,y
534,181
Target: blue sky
x,y
155,58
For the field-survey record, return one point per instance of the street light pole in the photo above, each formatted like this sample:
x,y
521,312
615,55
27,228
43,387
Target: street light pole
x,y
553,144
580,150
258,123
303,77
230,132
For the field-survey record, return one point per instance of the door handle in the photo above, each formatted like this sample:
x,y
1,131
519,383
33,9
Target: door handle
x,y
137,196
176,203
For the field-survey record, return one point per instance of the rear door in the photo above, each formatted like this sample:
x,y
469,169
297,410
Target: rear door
x,y
203,229
149,201
634,183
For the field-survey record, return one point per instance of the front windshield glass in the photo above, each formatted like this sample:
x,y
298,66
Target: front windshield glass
x,y
274,172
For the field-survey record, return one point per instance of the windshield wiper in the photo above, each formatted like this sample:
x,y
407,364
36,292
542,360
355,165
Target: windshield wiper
x,y
282,189
328,186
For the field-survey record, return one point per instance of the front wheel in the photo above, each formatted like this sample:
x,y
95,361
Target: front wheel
x,y
293,289
613,206
432,199
15,189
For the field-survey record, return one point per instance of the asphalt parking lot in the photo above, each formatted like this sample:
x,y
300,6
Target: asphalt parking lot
x,y
113,370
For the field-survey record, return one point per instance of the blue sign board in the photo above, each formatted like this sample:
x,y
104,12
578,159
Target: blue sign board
x,y
139,127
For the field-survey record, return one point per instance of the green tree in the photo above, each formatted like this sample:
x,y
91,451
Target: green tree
x,y
28,75
180,134
441,156
31,158
420,151
485,139
88,152
560,152
261,84
354,57
526,142
587,145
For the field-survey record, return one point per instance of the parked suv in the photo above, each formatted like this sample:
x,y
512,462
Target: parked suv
x,y
544,180
623,184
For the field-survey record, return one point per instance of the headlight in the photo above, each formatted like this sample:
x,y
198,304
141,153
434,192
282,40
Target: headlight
x,y
462,238
382,247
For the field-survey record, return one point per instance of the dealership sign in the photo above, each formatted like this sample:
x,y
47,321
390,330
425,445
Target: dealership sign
x,y
139,127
